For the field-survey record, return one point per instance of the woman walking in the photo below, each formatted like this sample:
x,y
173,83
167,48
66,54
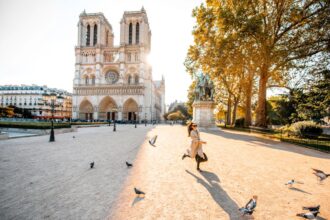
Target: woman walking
x,y
196,149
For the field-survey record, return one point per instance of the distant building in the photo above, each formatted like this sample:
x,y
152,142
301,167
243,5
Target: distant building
x,y
115,82
174,105
37,99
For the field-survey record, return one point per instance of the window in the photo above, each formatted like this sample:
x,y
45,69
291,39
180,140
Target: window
x,y
107,38
95,35
88,35
86,80
129,79
129,58
130,31
136,79
93,80
137,33
137,57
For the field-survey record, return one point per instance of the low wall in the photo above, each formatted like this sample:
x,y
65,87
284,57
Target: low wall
x,y
38,131
3,136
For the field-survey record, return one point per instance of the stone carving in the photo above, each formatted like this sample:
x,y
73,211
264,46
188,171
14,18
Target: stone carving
x,y
204,89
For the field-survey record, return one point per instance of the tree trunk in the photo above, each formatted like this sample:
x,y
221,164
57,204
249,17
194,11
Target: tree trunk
x,y
248,113
228,119
261,107
236,100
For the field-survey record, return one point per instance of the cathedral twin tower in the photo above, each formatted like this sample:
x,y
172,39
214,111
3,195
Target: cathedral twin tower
x,y
115,82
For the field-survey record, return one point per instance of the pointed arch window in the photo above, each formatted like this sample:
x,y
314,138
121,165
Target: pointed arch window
x,y
137,37
88,35
129,79
137,33
86,80
107,38
130,32
95,35
136,79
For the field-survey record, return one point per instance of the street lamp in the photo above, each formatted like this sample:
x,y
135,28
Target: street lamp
x,y
145,119
225,118
135,119
52,106
114,121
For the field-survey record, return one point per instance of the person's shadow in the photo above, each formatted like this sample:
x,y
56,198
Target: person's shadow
x,y
218,194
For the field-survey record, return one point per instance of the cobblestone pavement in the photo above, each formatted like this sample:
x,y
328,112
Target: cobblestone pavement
x,y
42,180
240,165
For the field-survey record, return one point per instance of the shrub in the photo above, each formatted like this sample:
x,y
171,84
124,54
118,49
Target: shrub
x,y
239,122
306,129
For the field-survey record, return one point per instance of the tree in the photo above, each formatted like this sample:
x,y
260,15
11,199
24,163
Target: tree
x,y
314,100
176,116
288,33
264,40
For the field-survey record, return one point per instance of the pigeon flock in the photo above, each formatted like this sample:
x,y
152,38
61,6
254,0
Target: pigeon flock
x,y
249,208
313,211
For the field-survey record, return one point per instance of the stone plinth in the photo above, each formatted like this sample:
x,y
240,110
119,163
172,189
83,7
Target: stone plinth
x,y
203,114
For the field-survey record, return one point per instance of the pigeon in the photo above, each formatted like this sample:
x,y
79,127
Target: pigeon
x,y
311,208
92,165
250,206
320,174
73,137
128,164
309,215
290,183
138,192
152,141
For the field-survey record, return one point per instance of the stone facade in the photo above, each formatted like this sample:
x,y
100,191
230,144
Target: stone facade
x,y
115,82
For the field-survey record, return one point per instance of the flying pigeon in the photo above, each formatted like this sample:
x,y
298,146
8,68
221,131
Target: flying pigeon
x,y
138,192
128,164
290,183
309,215
311,208
152,141
250,206
92,165
320,174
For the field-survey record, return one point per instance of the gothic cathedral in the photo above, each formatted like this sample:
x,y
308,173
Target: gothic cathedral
x,y
115,82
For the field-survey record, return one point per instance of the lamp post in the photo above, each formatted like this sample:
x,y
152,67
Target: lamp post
x,y
145,119
225,118
135,119
52,106
114,121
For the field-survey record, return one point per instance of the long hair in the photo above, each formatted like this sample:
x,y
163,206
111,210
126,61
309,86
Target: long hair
x,y
190,128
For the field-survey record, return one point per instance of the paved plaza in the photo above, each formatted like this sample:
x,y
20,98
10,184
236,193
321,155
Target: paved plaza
x,y
42,180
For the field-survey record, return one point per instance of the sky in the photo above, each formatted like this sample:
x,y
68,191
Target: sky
x,y
38,39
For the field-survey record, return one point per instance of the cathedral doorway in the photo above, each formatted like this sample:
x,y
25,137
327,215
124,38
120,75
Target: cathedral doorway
x,y
111,115
86,110
131,116
130,110
107,109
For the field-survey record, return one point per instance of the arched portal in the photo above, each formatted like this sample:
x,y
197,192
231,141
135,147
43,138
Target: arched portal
x,y
107,109
130,110
86,110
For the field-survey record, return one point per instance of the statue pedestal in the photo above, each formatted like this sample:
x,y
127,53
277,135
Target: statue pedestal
x,y
203,114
